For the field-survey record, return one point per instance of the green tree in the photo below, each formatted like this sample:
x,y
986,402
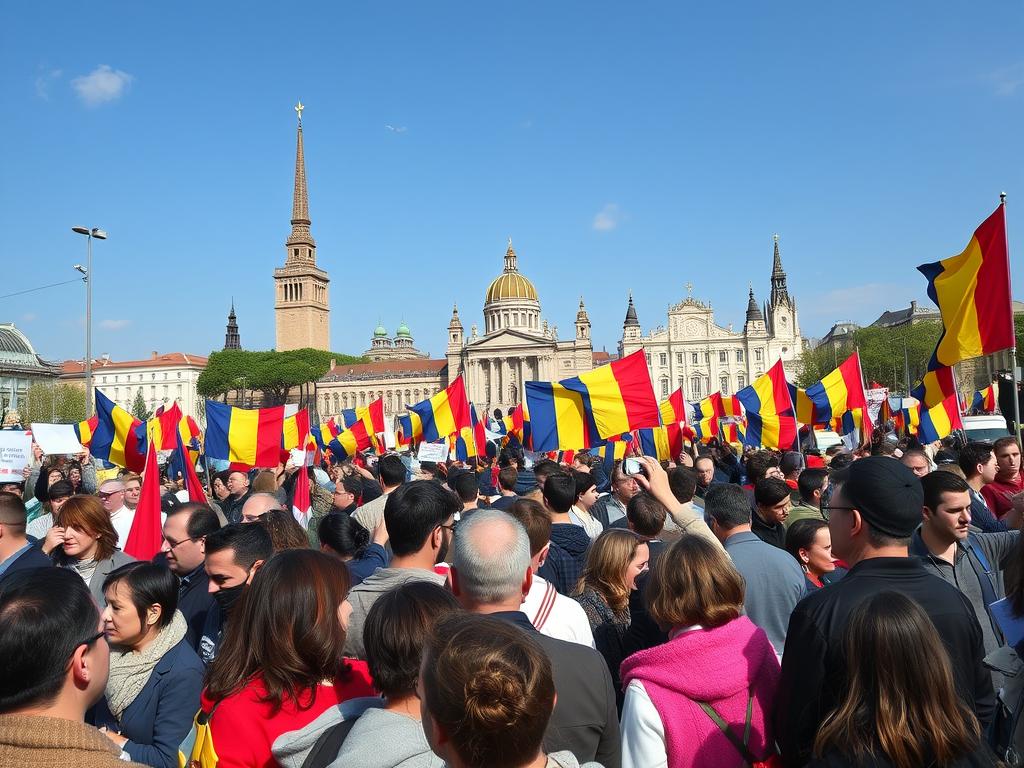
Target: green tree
x,y
58,403
271,374
139,409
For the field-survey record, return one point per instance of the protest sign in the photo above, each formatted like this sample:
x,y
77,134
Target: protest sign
x,y
15,454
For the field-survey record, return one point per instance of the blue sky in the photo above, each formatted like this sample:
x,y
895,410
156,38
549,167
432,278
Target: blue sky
x,y
621,146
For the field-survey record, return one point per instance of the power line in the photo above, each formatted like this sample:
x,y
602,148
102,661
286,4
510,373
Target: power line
x,y
40,288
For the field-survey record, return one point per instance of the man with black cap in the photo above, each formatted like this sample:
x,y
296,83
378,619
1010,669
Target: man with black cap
x,y
874,511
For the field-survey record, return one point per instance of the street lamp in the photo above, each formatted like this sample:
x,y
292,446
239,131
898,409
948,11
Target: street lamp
x,y
90,234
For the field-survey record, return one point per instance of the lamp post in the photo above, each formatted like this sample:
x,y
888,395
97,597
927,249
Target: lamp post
x,y
90,234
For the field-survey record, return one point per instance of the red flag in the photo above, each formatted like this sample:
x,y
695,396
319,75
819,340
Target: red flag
x,y
192,484
146,536
301,505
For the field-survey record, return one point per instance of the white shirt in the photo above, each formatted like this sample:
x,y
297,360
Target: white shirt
x,y
122,521
586,521
556,615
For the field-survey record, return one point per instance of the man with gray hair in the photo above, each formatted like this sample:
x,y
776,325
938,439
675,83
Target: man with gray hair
x,y
111,493
491,574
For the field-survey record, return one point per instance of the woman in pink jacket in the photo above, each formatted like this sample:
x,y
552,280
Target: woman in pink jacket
x,y
695,700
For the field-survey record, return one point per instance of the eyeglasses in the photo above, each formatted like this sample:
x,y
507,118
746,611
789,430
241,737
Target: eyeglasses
x,y
93,639
826,508
108,494
171,544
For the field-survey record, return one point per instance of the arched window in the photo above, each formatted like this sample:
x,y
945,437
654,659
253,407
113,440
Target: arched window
x,y
664,387
336,404
741,381
723,385
390,403
362,398
696,390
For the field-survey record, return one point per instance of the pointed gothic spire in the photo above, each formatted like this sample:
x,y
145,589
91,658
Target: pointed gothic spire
x,y
753,311
780,293
300,197
231,338
631,318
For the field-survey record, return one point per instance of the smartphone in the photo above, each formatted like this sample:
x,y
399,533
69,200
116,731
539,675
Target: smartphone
x,y
631,466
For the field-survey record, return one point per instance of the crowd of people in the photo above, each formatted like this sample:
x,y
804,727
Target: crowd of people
x,y
727,608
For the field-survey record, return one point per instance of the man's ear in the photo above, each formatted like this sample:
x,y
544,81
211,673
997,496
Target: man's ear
x,y
453,580
202,546
254,570
927,513
527,582
543,554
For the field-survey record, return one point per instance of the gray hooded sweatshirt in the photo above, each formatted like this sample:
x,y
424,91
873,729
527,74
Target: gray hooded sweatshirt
x,y
382,739
291,749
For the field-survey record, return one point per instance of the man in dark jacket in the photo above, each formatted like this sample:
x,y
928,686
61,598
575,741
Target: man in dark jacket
x,y
569,542
772,503
184,548
491,574
16,551
872,515
238,486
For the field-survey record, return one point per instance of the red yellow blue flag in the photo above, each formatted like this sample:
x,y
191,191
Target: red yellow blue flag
x,y
771,422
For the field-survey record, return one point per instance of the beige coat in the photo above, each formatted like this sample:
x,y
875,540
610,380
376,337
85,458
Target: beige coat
x,y
31,741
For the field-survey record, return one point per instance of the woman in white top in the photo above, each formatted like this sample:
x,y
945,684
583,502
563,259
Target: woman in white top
x,y
586,497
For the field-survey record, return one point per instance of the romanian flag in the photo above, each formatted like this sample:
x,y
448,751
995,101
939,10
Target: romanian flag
x,y
985,399
146,536
84,430
403,430
733,432
183,463
803,405
706,414
731,406
904,412
836,394
611,451
674,419
349,442
771,422
295,429
939,421
517,425
166,427
654,441
242,436
444,414
348,417
972,292
936,386
115,438
471,441
325,432
585,410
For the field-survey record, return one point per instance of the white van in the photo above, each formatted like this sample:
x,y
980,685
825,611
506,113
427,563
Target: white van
x,y
985,428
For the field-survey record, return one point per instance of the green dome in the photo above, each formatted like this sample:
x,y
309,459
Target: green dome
x,y
403,331
380,332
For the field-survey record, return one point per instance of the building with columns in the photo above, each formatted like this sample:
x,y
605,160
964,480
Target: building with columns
x,y
694,352
302,308
517,345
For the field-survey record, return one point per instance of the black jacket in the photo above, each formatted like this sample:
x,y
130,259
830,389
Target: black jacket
x,y
32,557
585,720
769,534
232,507
194,602
981,757
814,667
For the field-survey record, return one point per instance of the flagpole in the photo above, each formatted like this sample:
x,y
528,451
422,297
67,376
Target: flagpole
x,y
1013,328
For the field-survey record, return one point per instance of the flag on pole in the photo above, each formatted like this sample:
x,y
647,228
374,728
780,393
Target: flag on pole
x,y
936,386
939,421
771,422
146,536
115,439
183,463
442,415
248,437
84,430
985,399
838,393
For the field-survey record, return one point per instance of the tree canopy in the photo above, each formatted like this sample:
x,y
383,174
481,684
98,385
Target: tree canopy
x,y
273,374
52,403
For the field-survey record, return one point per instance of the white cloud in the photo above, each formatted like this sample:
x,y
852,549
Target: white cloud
x,y
44,80
1007,80
28,317
396,128
101,85
114,325
608,218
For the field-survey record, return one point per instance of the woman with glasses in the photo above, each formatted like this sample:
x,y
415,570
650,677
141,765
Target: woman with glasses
x,y
83,540
155,678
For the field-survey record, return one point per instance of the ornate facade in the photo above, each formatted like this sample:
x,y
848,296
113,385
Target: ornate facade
x,y
302,309
402,347
693,352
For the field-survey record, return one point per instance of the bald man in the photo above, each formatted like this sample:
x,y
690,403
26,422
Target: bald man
x,y
257,505
111,493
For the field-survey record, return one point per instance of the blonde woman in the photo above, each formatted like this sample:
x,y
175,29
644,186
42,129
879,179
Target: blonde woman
x,y
615,560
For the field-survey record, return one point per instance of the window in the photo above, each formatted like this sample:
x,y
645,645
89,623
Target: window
x,y
707,357
103,379
178,390
165,391
648,358
679,358
759,355
663,359
723,385
664,387
179,374
739,355
165,375
723,356
152,377
696,393
741,381
693,358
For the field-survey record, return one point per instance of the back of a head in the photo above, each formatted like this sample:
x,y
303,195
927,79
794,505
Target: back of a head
x,y
694,582
900,693
490,556
285,531
202,520
770,491
248,542
490,686
583,482
791,462
264,482
62,489
536,520
287,627
396,631
841,460
646,515
46,614
544,469
811,480
13,514
391,470
507,477
682,481
559,492
758,463
465,486
413,511
727,505
888,496
343,535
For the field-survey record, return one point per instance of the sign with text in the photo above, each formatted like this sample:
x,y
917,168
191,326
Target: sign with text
x,y
15,454
436,452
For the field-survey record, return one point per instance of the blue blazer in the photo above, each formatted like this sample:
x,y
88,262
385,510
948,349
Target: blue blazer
x,y
161,716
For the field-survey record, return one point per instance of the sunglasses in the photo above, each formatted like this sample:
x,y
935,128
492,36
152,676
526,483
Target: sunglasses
x,y
108,494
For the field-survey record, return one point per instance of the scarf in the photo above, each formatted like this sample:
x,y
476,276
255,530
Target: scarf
x,y
130,671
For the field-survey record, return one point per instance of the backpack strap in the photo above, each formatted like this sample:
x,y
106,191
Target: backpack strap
x,y
328,744
547,603
741,746
986,579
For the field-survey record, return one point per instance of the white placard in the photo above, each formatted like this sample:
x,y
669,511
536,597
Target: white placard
x,y
56,439
436,452
15,454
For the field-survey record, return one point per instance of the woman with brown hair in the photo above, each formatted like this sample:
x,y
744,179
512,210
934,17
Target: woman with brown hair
x,y
704,697
281,663
84,540
810,544
284,530
615,560
486,695
901,708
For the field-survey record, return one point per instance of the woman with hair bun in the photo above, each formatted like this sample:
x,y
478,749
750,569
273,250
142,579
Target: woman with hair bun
x,y
486,695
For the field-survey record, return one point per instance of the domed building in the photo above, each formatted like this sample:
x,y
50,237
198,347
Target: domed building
x,y
20,367
401,347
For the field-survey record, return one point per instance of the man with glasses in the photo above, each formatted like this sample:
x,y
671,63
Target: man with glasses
x,y
346,493
184,548
420,518
612,507
111,493
52,670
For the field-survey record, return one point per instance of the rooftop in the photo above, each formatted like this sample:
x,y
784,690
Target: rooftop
x,y
155,360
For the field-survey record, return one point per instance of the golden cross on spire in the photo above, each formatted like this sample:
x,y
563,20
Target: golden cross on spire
x,y
298,109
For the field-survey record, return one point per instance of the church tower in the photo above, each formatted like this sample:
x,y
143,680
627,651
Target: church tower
x,y
231,338
302,307
781,318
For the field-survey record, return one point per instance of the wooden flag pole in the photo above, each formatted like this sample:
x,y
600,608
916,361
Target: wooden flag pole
x,y
1013,330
